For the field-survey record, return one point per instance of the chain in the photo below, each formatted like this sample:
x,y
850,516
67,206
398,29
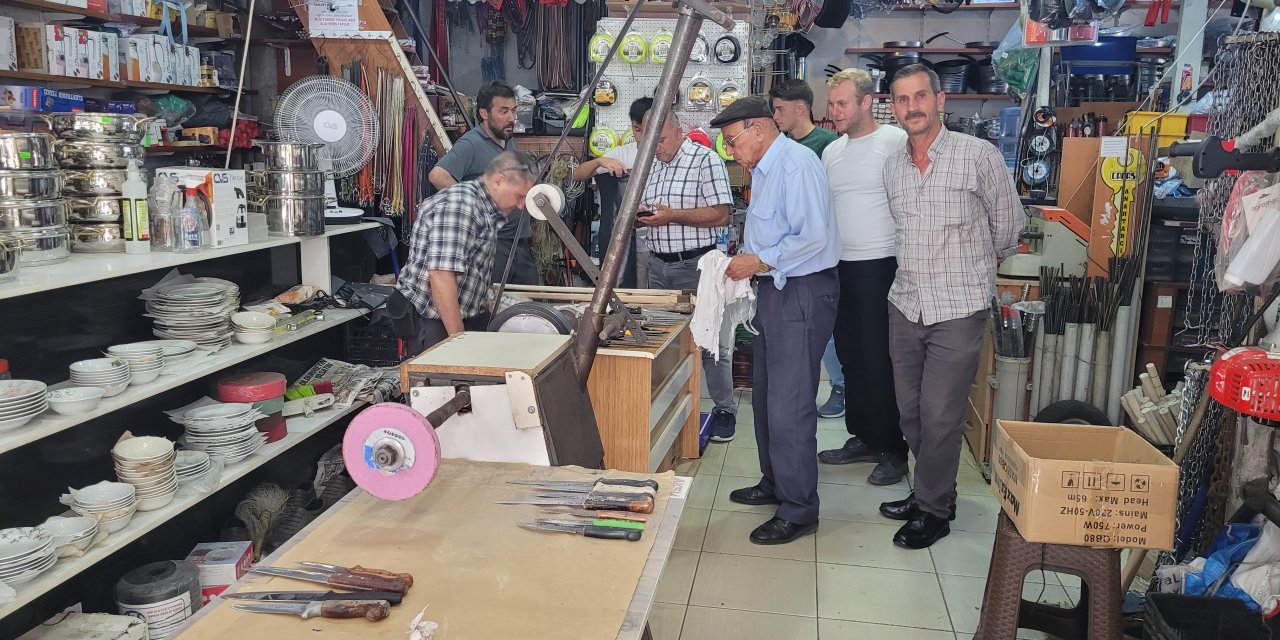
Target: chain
x,y
1215,512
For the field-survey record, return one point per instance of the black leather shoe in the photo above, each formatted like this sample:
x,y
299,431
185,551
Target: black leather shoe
x,y
891,470
779,531
854,450
906,509
753,496
922,531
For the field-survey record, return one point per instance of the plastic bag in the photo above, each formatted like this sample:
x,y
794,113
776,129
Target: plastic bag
x,y
1228,550
170,108
1014,62
1242,217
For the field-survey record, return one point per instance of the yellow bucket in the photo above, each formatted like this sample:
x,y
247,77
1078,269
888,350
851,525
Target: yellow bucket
x,y
1169,129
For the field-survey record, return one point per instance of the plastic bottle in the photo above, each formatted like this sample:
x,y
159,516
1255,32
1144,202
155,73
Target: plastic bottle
x,y
1259,255
137,225
189,227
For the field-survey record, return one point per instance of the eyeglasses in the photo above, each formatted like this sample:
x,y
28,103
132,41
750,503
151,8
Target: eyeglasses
x,y
728,143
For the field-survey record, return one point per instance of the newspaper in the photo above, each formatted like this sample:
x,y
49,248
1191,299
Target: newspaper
x,y
351,382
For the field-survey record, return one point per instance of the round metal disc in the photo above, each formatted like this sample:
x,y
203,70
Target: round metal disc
x,y
391,451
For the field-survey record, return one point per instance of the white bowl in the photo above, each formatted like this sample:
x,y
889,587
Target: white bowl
x,y
254,320
144,378
112,526
151,504
100,365
142,449
114,389
104,493
75,400
135,348
14,423
77,532
253,338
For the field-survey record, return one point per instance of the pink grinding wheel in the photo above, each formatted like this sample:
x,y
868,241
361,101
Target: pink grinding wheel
x,y
391,451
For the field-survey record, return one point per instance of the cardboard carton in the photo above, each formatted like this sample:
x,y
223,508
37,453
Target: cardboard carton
x,y
20,98
226,193
8,44
221,564
111,42
139,58
78,52
55,49
32,48
1084,485
101,58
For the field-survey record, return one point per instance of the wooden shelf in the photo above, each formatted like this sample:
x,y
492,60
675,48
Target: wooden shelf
x,y
180,88
129,85
141,21
965,96
938,50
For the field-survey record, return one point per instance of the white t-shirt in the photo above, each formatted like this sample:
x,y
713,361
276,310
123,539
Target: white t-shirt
x,y
626,154
855,174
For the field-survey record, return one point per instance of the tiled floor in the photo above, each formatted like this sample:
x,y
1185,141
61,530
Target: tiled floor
x,y
847,582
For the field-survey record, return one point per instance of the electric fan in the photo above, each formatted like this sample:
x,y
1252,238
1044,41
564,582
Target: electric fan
x,y
334,112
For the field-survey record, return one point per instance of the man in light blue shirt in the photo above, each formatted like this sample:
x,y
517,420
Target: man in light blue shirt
x,y
791,248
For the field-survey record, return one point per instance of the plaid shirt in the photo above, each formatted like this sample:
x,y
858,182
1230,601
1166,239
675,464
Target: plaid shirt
x,y
455,231
695,178
952,223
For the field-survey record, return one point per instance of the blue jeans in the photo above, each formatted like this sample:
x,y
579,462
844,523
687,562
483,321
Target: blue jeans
x,y
835,372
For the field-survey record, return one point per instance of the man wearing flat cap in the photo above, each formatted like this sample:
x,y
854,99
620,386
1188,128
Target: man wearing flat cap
x,y
791,247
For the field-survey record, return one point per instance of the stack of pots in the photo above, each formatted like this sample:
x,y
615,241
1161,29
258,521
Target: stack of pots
x,y
33,215
94,149
291,189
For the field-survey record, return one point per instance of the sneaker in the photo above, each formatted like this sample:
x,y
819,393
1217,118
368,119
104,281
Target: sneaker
x,y
723,425
834,406
890,470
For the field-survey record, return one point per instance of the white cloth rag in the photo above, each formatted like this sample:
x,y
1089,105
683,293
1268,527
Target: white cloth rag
x,y
723,304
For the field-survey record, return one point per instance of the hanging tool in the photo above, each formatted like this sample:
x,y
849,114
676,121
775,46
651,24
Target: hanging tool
x,y
603,484
362,580
590,531
605,501
371,610
389,597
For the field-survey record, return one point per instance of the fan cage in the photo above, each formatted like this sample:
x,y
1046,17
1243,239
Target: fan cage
x,y
304,101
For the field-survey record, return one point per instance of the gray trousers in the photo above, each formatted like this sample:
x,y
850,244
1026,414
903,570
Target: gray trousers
x,y
795,324
719,375
933,367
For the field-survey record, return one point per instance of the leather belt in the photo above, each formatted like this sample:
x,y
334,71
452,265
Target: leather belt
x,y
681,256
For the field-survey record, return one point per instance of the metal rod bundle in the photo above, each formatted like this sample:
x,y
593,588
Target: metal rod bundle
x,y
1124,276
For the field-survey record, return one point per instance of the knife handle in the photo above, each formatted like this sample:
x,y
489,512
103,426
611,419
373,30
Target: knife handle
x,y
371,610
408,578
366,582
617,504
628,482
610,533
621,515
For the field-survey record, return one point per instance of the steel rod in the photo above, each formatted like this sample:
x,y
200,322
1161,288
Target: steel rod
x,y
458,402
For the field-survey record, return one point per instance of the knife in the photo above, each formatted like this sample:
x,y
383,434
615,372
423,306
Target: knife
x,y
392,598
612,524
588,513
371,610
589,501
342,580
590,531
603,484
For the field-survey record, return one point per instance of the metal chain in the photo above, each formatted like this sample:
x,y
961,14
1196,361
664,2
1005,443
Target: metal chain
x,y
1215,512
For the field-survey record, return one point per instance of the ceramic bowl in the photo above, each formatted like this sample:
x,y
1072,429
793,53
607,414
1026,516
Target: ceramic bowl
x,y
75,400
151,504
253,320
99,365
77,532
104,493
144,377
19,544
253,338
118,523
142,449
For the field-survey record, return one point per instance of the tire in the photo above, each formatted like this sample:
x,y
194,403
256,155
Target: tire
x,y
550,317
1072,412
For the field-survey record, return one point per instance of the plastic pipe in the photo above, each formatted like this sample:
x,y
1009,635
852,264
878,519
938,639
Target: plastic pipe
x,y
1084,356
1037,368
1101,370
1010,402
1070,360
1120,375
1053,356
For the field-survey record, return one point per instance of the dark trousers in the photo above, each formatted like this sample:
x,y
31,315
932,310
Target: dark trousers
x,y
717,370
610,189
933,367
431,331
794,324
862,344
523,269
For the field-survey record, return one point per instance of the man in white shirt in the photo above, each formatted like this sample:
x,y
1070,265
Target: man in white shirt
x,y
855,169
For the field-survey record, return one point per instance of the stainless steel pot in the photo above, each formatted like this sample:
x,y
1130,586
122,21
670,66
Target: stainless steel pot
x,y
293,215
104,209
28,215
43,246
27,151
10,251
103,127
93,182
289,183
30,185
99,155
97,238
290,156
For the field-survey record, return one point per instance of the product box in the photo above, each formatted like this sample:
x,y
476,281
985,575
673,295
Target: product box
x,y
100,61
98,105
192,61
78,52
111,53
140,62
32,48
55,49
19,98
221,564
1084,485
162,58
100,6
225,192
8,44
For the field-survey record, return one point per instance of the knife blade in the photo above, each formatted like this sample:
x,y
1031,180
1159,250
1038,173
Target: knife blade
x,y
614,524
587,501
590,531
314,596
371,610
602,484
588,513
358,569
353,581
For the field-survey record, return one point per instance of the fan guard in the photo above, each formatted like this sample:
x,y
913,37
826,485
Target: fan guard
x,y
333,112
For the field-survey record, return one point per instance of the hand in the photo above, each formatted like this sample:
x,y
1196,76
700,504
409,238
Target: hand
x,y
661,216
612,166
743,266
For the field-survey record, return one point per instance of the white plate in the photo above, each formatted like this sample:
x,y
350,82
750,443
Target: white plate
x,y
6,425
19,391
32,573
27,541
219,410
22,409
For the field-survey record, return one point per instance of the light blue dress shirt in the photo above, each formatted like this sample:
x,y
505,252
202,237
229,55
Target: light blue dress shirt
x,y
790,224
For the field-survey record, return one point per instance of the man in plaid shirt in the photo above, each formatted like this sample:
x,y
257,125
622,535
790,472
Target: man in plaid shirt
x,y
447,277
686,207
956,213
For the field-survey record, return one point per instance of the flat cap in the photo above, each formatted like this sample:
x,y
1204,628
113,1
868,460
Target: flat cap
x,y
743,109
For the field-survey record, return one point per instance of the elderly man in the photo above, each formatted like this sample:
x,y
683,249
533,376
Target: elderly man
x,y
855,170
451,251
957,214
470,157
790,247
686,208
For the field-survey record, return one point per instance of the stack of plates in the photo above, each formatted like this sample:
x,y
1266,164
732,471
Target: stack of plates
x,y
145,360
224,430
111,374
176,354
25,552
192,465
147,463
77,532
197,311
20,401
112,503
252,327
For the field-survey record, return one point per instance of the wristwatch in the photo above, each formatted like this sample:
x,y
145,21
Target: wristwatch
x,y
763,268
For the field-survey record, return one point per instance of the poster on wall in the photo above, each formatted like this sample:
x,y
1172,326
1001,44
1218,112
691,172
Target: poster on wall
x,y
333,15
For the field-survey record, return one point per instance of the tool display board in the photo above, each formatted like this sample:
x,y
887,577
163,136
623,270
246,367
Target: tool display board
x,y
641,79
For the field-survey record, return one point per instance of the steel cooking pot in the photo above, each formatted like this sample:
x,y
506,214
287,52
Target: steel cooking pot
x,y
26,215
302,183
97,238
10,252
290,156
99,155
43,246
293,215
30,185
93,182
101,127
27,151
101,209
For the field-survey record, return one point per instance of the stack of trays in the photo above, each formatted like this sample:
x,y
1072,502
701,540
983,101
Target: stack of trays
x,y
291,191
95,149
33,215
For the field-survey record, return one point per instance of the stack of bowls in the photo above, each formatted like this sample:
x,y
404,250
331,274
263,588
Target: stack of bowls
x,y
77,532
253,327
25,552
111,374
20,401
145,360
95,149
147,463
192,465
111,503
33,215
291,191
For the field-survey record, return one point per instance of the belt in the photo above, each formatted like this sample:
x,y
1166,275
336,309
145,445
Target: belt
x,y
681,256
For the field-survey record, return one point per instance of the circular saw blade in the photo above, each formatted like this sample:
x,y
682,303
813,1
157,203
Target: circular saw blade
x,y
391,451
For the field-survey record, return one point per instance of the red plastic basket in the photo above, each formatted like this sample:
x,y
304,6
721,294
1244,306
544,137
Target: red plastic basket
x,y
1247,379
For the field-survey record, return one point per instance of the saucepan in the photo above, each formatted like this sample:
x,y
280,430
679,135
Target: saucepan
x,y
301,183
93,182
290,156
26,215
99,155
30,185
10,251
293,215
103,127
27,151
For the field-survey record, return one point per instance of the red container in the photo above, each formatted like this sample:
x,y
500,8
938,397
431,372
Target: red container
x,y
263,389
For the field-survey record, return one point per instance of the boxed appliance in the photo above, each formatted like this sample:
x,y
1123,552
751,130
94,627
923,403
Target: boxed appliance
x,y
112,43
1084,485
192,61
98,105
100,6
100,61
141,59
8,44
32,54
19,98
162,57
224,191
55,49
221,564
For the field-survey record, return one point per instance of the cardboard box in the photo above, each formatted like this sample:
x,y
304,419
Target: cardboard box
x,y
100,61
31,48
139,65
111,42
8,44
100,6
20,98
221,564
225,192
55,50
78,52
162,58
1084,485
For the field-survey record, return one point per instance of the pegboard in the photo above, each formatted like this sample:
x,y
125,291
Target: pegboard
x,y
639,80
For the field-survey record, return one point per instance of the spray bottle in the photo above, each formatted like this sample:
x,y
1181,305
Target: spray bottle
x,y
189,227
137,224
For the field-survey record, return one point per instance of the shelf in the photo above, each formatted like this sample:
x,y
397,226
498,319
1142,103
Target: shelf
x,y
188,148
964,96
181,88
141,21
49,423
984,5
81,268
1155,51
938,50
122,85
300,429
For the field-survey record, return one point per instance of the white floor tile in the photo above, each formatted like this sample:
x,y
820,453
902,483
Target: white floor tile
x,y
665,621
964,601
963,553
767,585
846,630
745,438
729,532
702,493
868,545
704,623
833,424
976,513
712,461
860,503
831,439
970,481
692,529
728,484
882,596
741,462
677,577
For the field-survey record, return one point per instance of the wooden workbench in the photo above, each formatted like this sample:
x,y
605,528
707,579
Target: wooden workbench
x,y
478,574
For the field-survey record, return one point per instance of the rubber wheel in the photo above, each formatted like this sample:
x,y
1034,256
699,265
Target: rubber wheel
x,y
1072,412
544,317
